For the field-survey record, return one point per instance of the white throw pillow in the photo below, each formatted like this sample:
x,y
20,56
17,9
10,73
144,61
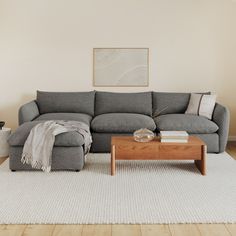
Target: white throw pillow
x,y
201,105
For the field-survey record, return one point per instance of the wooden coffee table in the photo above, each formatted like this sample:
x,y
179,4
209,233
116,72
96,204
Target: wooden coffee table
x,y
125,148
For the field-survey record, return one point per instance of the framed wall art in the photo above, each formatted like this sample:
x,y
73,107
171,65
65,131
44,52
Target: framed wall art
x,y
120,67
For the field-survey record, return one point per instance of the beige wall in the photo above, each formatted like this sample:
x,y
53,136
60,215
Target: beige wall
x,y
47,45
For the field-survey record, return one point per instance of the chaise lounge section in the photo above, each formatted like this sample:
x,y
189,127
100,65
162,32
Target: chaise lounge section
x,y
68,152
110,114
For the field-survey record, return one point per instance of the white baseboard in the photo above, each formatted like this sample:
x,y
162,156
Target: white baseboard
x,y
232,138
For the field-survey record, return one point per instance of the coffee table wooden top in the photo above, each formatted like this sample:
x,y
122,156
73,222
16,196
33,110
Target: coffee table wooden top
x,y
129,140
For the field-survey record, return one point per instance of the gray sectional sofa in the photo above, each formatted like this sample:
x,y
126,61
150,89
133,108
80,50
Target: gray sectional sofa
x,y
112,114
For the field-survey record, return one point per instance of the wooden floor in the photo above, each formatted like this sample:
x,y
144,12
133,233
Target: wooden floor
x,y
124,230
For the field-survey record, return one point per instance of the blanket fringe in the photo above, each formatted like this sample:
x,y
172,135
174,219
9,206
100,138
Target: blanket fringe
x,y
27,159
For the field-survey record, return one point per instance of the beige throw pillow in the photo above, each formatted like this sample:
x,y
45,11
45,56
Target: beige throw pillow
x,y
201,105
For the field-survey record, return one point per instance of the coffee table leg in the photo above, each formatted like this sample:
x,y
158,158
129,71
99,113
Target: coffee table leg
x,y
113,160
201,164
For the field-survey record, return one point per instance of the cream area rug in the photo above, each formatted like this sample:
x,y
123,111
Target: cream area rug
x,y
141,192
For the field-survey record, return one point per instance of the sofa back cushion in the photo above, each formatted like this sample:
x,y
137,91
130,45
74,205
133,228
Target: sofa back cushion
x,y
73,102
107,102
169,103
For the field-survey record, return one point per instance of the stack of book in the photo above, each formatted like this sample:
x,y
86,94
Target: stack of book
x,y
174,136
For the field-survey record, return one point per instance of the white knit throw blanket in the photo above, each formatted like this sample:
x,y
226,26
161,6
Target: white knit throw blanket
x,y
38,147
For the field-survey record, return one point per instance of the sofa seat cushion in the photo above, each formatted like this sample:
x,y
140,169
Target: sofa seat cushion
x,y
190,123
121,123
66,116
68,139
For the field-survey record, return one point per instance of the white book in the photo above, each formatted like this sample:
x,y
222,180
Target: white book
x,y
175,137
174,134
174,140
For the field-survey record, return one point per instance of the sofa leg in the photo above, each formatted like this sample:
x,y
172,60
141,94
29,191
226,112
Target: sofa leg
x,y
77,170
13,170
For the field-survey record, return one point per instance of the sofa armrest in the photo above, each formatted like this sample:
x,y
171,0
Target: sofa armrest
x,y
221,117
28,112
